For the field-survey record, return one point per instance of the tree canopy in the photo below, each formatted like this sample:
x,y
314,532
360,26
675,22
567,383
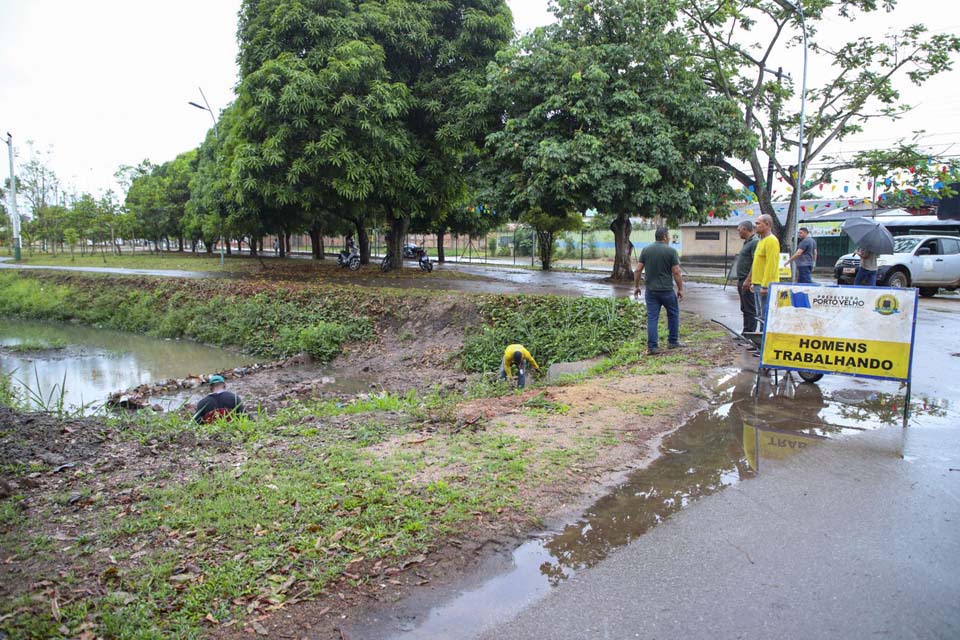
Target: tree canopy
x,y
607,108
743,40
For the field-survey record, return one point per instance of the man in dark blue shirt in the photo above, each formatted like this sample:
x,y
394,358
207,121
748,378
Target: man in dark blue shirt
x,y
220,402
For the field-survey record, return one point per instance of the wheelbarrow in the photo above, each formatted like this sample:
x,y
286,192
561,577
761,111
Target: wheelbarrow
x,y
754,339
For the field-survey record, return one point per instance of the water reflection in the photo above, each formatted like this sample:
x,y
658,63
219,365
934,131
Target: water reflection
x,y
96,362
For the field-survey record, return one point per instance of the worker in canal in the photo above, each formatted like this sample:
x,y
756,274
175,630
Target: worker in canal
x,y
219,403
516,355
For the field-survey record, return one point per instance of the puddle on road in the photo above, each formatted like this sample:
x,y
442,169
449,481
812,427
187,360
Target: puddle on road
x,y
731,441
90,363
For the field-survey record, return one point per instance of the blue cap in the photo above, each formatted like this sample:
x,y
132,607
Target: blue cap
x,y
215,379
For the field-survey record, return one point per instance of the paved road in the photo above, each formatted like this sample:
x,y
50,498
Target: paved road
x,y
849,542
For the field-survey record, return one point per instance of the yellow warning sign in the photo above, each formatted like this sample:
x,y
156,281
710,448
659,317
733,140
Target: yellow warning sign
x,y
823,329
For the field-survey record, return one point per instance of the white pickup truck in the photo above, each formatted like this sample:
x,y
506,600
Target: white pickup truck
x,y
926,262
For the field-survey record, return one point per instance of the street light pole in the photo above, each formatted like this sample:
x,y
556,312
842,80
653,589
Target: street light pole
x,y
216,134
12,199
793,226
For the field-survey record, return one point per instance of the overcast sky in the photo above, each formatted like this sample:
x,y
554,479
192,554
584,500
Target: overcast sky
x,y
102,83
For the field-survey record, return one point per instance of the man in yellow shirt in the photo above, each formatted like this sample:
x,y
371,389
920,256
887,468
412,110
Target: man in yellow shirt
x,y
514,355
766,264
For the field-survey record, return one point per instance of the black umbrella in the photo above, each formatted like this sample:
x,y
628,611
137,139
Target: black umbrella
x,y
869,234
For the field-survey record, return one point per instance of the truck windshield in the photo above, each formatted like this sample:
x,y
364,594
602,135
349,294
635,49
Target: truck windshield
x,y
904,245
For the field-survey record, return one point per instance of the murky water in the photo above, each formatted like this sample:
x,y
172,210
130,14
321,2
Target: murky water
x,y
735,439
88,363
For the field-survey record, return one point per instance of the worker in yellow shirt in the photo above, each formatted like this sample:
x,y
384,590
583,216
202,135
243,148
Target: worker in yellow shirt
x,y
514,356
766,264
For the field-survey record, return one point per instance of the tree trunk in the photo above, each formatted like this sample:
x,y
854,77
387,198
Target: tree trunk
x,y
316,241
394,239
545,248
441,257
193,246
621,227
254,249
363,241
289,244
180,244
208,247
229,247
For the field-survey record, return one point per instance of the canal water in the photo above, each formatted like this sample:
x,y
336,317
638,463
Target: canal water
x,y
51,362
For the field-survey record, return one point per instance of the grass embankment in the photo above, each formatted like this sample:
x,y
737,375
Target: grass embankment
x,y
168,529
299,268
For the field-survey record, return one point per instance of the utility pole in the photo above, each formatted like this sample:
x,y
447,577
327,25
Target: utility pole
x,y
216,134
12,206
792,226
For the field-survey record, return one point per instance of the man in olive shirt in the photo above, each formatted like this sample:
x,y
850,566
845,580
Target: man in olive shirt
x,y
748,301
662,264
766,264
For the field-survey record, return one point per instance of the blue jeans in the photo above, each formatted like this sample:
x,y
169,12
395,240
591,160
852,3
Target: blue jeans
x,y
761,303
865,278
655,300
804,275
521,375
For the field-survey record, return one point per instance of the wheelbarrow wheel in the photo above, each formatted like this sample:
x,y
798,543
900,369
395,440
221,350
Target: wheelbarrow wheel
x,y
810,376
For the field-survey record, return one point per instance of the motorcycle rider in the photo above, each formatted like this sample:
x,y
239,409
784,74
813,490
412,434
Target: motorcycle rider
x,y
348,252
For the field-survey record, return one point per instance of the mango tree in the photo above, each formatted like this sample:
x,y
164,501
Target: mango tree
x,y
606,109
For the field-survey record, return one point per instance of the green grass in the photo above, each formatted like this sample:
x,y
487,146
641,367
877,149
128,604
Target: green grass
x,y
32,345
182,262
291,519
273,324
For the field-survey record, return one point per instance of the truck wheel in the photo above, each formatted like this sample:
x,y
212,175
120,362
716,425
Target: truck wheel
x,y
928,292
898,280
810,376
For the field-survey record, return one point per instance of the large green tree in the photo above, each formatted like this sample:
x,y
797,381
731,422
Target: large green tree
x,y
743,40
607,108
348,104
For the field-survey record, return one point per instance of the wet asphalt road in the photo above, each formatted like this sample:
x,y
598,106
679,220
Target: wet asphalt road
x,y
849,541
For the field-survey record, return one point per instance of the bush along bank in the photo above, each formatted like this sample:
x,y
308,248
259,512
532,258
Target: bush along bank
x,y
277,322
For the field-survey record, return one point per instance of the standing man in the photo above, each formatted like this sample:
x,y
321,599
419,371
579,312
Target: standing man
x,y
766,264
663,269
805,256
748,302
867,273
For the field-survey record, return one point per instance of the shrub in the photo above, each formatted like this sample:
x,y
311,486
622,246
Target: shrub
x,y
553,328
323,341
